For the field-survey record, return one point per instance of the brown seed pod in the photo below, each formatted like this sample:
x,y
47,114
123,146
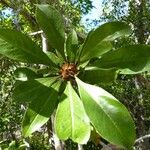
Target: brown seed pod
x,y
68,70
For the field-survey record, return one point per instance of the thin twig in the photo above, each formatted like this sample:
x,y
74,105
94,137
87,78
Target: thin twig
x,y
142,138
80,147
35,33
148,40
44,43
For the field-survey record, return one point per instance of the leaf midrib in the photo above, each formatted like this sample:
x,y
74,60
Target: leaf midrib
x,y
110,119
71,109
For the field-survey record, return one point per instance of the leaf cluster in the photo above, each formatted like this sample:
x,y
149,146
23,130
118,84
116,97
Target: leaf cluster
x,y
80,107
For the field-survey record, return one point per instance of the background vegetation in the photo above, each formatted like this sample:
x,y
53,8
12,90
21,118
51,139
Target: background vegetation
x,y
133,91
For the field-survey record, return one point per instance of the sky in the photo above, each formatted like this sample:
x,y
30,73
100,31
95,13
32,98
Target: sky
x,y
94,14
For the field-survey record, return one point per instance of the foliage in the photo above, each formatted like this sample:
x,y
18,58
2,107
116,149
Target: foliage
x,y
86,103
136,13
10,112
20,15
133,12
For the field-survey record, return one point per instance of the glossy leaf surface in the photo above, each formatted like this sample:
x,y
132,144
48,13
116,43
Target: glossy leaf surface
x,y
129,60
55,59
109,117
40,110
97,42
71,120
51,23
20,47
96,75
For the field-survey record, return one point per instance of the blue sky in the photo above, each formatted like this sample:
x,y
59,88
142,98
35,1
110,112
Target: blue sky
x,y
95,13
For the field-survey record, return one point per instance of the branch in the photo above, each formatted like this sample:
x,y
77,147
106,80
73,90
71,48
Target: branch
x,y
35,33
142,138
148,40
80,147
44,43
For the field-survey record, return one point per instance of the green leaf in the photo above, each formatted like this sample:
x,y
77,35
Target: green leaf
x,y
100,49
51,23
71,120
39,111
129,60
32,90
72,45
109,117
20,47
96,75
55,59
24,74
97,42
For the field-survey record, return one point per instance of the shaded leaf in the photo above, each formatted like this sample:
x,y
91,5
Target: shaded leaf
x,y
51,23
129,60
72,45
32,90
24,74
20,47
101,48
109,117
96,75
71,120
55,59
39,111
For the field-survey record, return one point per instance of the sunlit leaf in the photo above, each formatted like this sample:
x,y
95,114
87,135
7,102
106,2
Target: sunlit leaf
x,y
109,117
39,111
71,120
97,42
129,60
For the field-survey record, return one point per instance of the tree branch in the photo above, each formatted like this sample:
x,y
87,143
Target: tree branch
x,y
142,138
35,33
148,40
